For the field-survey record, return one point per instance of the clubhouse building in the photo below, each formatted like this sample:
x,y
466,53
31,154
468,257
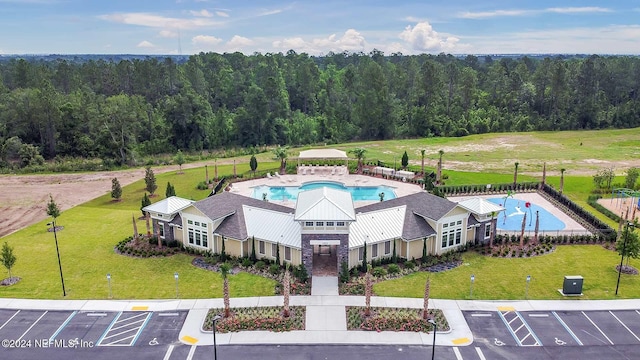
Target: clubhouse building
x,y
324,222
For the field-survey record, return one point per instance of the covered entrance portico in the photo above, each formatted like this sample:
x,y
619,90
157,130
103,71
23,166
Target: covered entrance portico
x,y
321,256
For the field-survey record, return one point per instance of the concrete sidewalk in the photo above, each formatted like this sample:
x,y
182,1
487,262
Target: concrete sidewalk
x,y
326,321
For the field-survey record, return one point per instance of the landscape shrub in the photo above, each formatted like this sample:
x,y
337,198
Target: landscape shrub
x,y
379,271
393,269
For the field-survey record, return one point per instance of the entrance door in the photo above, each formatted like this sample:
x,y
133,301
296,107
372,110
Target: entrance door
x,y
325,259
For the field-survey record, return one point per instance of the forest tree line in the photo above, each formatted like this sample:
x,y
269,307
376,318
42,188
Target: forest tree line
x,y
132,108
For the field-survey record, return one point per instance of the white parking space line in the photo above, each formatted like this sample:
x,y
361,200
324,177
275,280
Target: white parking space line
x,y
191,352
573,335
122,326
32,325
168,314
62,326
625,326
539,315
596,326
6,322
480,354
481,315
457,353
167,355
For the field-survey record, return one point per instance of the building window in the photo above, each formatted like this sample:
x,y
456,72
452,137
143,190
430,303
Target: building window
x,y
196,223
198,237
374,251
274,250
205,243
190,236
161,229
287,253
261,247
190,222
444,226
487,230
340,223
330,223
360,253
308,223
159,215
459,222
319,223
453,235
387,247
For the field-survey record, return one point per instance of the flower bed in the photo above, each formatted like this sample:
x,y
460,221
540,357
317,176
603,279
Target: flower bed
x,y
393,319
258,318
143,247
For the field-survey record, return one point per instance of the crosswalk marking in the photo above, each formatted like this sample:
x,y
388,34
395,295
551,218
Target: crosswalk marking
x,y
515,323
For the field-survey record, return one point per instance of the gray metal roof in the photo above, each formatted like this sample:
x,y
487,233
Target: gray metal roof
x,y
480,206
376,226
324,204
272,226
168,206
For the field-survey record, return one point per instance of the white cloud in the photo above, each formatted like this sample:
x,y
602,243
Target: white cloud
x,y
201,13
157,21
573,10
525,12
222,13
205,40
422,37
145,44
168,34
352,40
238,42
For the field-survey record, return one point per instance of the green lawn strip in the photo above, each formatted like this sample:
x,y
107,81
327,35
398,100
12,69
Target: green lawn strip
x,y
86,251
257,318
504,278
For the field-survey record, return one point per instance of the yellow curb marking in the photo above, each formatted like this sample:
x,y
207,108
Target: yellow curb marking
x,y
138,308
189,339
460,341
506,308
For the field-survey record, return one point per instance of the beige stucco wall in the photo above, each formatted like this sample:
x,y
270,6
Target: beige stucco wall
x,y
232,247
415,249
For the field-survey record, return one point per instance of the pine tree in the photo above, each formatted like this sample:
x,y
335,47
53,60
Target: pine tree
x,y
150,181
253,250
394,255
116,189
286,290
52,208
223,253
405,160
363,268
424,250
145,202
253,164
7,258
171,191
278,254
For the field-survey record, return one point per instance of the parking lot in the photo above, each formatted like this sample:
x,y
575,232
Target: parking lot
x,y
507,327
88,329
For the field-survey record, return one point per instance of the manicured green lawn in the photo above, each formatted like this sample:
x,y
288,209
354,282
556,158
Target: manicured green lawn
x,y
497,278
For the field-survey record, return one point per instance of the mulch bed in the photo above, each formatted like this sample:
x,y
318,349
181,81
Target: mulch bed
x,y
10,281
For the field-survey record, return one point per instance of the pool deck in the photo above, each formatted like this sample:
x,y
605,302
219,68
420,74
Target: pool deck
x,y
535,198
400,188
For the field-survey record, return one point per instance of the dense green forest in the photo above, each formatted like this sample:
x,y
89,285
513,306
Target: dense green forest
x,y
124,110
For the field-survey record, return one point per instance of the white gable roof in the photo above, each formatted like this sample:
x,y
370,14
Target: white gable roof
x,y
324,204
168,206
323,154
271,225
377,226
480,206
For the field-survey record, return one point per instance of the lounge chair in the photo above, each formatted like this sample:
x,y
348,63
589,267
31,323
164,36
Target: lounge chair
x,y
276,174
269,176
312,171
304,171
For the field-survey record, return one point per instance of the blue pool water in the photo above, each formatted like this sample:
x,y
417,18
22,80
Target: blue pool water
x,y
515,210
290,193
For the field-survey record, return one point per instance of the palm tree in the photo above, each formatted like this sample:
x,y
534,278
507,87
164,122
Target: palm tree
x,y
286,289
515,174
368,287
422,153
225,269
492,235
439,174
425,307
562,179
281,152
359,154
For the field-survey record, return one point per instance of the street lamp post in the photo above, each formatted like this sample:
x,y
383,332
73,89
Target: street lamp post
x,y
435,329
473,278
55,236
215,350
109,282
624,249
526,289
175,276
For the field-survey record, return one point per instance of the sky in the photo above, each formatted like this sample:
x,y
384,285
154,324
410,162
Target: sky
x,y
318,27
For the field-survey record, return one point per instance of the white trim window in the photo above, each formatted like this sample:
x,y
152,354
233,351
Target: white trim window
x,y
487,230
374,251
451,234
161,229
287,253
261,248
274,250
340,223
197,235
387,247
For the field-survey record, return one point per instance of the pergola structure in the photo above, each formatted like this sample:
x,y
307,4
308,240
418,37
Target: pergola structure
x,y
322,154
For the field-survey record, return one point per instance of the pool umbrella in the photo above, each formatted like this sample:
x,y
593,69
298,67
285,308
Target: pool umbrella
x,y
535,235
524,223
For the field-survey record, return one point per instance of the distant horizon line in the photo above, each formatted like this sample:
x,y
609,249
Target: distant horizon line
x,y
321,55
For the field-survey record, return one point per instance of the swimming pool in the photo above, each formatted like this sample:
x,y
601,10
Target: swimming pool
x,y
290,193
511,218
